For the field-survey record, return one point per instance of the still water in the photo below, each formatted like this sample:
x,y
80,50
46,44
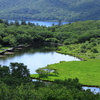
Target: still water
x,y
36,58
42,23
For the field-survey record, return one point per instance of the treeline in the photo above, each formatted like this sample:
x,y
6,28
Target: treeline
x,y
16,84
66,10
15,33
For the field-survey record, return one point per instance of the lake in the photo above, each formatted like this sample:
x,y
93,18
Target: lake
x,y
42,23
39,56
36,58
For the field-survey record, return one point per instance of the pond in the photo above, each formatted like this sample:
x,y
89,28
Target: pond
x,y
39,56
36,57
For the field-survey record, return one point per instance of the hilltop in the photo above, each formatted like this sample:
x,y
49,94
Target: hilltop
x,y
65,10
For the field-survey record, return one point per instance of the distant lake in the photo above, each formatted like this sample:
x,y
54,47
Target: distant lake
x,y
42,23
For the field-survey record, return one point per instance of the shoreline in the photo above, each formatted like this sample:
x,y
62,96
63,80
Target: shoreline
x,y
39,79
82,59
11,50
22,46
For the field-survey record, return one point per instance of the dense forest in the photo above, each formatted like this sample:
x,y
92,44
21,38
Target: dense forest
x,y
15,81
65,10
15,33
15,84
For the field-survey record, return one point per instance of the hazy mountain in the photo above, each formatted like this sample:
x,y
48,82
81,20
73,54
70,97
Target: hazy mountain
x,y
65,10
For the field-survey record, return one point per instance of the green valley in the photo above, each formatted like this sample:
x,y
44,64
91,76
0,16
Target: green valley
x,y
66,79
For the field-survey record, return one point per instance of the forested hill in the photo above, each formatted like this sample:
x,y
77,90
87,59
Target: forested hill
x,y
65,10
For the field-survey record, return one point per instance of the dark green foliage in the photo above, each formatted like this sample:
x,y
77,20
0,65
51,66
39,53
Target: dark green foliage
x,y
48,92
5,91
69,83
15,82
15,74
14,87
4,71
1,21
27,33
59,10
23,22
19,70
94,50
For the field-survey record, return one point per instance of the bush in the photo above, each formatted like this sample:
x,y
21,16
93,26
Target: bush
x,y
42,73
0,45
94,50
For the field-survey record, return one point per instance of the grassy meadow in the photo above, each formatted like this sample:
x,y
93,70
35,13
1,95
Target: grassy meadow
x,y
87,71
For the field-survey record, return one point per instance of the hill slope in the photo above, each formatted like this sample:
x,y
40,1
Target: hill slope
x,y
65,10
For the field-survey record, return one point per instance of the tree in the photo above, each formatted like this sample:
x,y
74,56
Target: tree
x,y
59,23
1,21
94,50
24,92
5,92
4,71
19,70
55,72
17,23
52,40
9,40
23,22
6,22
42,73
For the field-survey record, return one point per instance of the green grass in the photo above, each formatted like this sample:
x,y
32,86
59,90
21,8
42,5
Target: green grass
x,y
76,50
1,50
5,47
88,72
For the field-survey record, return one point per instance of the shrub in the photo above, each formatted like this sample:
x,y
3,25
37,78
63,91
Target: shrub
x,y
94,50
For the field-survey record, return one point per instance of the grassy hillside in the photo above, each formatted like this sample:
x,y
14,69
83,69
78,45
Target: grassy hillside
x,y
66,10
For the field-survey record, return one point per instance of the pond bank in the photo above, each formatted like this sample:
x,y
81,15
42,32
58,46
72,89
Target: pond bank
x,y
11,50
39,79
95,89
82,59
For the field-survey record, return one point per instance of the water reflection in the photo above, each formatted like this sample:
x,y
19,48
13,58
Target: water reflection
x,y
93,89
36,58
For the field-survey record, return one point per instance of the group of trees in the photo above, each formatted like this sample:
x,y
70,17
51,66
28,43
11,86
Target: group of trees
x,y
15,84
15,74
15,33
15,81
50,10
46,71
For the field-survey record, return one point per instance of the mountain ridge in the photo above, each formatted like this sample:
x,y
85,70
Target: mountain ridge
x,y
65,10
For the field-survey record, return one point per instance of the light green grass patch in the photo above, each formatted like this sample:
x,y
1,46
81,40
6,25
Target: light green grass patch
x,y
5,47
88,72
1,50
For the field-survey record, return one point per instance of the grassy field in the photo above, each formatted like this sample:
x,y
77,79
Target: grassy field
x,y
80,52
88,71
